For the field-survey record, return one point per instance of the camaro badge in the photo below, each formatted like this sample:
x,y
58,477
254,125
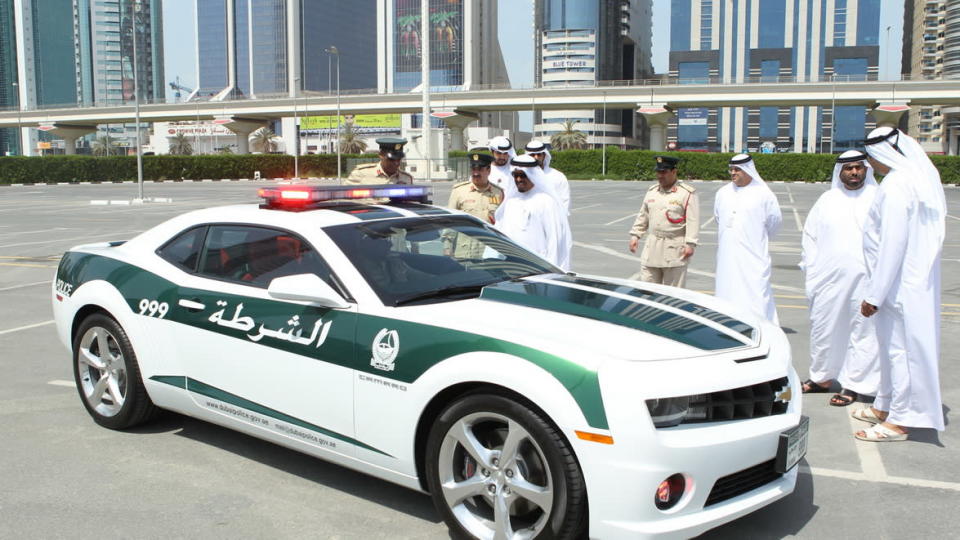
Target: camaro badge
x,y
783,395
385,348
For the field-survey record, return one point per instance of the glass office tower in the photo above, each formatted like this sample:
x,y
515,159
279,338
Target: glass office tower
x,y
9,98
260,32
745,40
582,42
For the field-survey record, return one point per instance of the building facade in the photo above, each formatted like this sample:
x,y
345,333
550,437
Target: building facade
x,y
9,95
924,25
243,45
737,41
464,54
951,70
583,42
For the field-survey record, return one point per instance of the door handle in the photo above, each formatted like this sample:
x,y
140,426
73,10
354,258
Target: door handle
x,y
191,305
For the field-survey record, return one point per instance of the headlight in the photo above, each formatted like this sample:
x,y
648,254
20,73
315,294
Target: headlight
x,y
668,412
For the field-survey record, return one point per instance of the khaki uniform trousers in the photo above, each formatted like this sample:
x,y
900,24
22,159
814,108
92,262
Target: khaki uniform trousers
x,y
675,276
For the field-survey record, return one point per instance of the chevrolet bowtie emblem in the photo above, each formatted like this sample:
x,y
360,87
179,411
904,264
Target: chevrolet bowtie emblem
x,y
783,395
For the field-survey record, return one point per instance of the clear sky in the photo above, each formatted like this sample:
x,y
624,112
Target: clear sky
x,y
515,20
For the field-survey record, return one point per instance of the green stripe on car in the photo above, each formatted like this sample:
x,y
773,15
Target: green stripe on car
x,y
210,391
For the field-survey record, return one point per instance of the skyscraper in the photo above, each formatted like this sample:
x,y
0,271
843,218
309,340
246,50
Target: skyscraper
x,y
581,42
249,40
9,99
951,70
464,49
931,50
736,41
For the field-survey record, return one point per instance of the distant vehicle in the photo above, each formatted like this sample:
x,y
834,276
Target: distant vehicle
x,y
528,402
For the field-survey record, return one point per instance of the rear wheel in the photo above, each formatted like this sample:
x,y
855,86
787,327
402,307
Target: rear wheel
x,y
107,375
497,469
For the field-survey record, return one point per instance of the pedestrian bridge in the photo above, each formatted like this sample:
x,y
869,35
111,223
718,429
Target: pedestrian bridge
x,y
652,98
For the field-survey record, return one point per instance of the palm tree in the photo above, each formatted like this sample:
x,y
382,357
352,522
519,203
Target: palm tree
x,y
180,146
350,141
104,145
569,138
264,140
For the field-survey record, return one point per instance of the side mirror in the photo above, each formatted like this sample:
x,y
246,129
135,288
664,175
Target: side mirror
x,y
306,288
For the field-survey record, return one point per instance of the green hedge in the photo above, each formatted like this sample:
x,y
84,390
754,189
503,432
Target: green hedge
x,y
26,170
621,164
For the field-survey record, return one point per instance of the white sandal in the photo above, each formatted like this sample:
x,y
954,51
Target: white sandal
x,y
881,433
866,414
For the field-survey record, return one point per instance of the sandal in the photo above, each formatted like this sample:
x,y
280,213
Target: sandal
x,y
843,398
880,433
867,415
810,387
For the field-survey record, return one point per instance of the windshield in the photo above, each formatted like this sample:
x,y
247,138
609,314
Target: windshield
x,y
433,258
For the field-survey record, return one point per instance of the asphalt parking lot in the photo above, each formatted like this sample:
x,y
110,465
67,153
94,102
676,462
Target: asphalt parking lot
x,y
64,477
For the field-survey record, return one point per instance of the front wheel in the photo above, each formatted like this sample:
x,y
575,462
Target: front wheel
x,y
497,469
107,375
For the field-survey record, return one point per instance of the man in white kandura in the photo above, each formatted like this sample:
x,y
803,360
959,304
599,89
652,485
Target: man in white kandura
x,y
558,181
902,243
532,217
557,185
748,216
501,170
843,343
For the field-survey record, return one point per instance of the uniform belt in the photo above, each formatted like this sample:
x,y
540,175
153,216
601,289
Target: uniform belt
x,y
668,234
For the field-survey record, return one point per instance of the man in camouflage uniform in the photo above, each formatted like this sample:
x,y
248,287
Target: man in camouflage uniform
x,y
670,217
388,170
477,197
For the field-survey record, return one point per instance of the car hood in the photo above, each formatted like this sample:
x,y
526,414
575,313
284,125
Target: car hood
x,y
594,317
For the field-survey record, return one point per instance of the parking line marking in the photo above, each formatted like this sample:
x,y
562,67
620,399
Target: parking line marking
x,y
25,285
868,452
899,480
608,251
29,265
633,215
790,195
707,223
27,327
954,217
796,217
58,382
583,207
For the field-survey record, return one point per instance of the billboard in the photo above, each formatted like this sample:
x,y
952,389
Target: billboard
x,y
362,122
693,116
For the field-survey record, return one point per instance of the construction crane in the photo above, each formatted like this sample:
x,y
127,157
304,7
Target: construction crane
x,y
177,87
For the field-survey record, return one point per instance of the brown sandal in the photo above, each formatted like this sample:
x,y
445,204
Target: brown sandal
x,y
843,398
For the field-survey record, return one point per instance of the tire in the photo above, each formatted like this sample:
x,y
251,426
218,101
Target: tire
x,y
475,482
110,388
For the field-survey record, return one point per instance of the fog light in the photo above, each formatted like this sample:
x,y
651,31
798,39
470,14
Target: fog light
x,y
669,492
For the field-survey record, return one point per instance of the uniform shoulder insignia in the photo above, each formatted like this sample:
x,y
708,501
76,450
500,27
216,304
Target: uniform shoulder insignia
x,y
654,186
687,187
465,182
495,188
366,166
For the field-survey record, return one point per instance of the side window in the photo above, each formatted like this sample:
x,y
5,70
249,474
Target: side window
x,y
184,250
256,255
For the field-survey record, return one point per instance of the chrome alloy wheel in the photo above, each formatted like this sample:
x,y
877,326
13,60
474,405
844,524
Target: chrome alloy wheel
x,y
102,371
495,478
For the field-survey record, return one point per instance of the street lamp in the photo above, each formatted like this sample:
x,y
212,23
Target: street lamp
x,y
333,51
296,129
136,101
16,90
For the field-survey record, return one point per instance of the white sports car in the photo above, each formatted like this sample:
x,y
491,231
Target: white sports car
x,y
421,346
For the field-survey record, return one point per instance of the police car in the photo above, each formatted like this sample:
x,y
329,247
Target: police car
x,y
527,402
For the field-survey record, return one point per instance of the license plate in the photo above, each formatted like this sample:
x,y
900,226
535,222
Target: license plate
x,y
793,445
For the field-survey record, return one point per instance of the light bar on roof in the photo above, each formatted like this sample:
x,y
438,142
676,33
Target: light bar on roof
x,y
301,196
